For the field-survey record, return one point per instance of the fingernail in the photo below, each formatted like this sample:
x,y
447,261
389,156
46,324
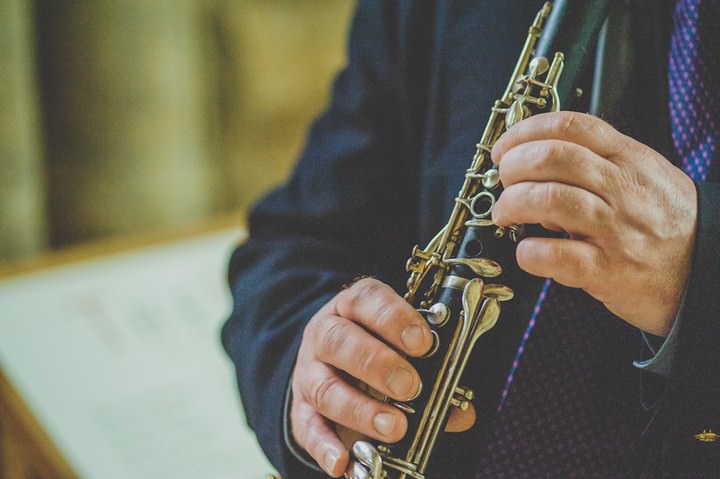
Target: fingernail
x,y
330,460
384,423
401,383
412,337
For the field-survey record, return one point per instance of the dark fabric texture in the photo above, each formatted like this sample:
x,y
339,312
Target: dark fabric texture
x,y
573,410
379,174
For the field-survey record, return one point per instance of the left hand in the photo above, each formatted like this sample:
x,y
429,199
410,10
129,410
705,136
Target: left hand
x,y
629,213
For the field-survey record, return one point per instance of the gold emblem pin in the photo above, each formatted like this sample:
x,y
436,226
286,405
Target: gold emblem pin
x,y
707,436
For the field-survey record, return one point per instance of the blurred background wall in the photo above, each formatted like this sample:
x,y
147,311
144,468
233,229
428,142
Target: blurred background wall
x,y
127,117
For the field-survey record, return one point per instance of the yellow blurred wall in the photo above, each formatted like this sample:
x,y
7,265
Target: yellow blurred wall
x,y
275,70
139,116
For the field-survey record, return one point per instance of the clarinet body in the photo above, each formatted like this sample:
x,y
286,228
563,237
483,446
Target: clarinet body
x,y
453,281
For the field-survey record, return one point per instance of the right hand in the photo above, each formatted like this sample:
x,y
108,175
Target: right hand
x,y
339,344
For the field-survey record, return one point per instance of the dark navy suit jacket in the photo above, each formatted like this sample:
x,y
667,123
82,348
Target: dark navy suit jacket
x,y
379,174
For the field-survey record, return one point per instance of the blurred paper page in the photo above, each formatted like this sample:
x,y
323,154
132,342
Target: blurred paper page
x,y
120,360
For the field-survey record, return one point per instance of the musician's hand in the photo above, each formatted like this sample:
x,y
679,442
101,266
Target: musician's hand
x,y
630,214
341,343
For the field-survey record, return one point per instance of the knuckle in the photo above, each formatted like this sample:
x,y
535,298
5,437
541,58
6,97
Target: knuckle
x,y
367,361
550,195
333,336
564,122
587,206
315,328
360,413
374,360
597,212
387,314
321,393
551,152
363,291
312,422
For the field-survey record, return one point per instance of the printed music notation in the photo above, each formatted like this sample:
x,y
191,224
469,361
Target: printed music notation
x,y
119,359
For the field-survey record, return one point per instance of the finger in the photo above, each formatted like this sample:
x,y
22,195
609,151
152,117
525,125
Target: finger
x,y
460,421
377,307
553,205
580,128
334,398
572,263
557,161
347,346
315,434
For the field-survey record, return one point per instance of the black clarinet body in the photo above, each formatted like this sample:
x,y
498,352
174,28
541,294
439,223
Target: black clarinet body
x,y
456,281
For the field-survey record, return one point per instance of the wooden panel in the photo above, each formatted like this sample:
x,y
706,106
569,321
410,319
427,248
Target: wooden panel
x,y
26,452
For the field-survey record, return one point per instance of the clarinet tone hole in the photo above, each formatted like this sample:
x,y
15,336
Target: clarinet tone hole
x,y
482,204
473,248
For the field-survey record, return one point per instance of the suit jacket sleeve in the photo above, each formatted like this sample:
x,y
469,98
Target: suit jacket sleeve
x,y
344,212
690,399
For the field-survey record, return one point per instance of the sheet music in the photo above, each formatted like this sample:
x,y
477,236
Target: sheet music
x,y
120,360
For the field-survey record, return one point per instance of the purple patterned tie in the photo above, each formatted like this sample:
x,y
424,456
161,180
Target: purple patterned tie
x,y
693,69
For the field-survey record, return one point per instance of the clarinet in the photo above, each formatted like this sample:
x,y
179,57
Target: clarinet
x,y
451,281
